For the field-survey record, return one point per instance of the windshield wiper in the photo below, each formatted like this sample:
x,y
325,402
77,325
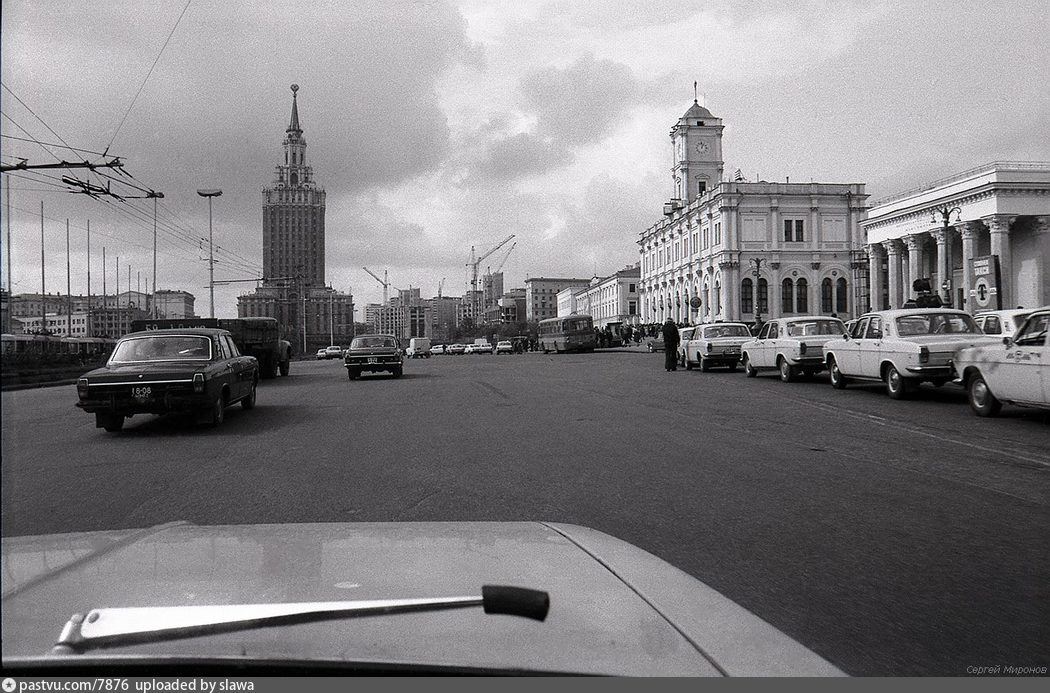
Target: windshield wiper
x,y
114,627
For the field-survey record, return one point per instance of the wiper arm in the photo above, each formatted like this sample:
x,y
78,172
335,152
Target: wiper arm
x,y
114,627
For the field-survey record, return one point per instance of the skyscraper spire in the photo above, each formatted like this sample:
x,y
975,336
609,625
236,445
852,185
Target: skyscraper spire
x,y
293,126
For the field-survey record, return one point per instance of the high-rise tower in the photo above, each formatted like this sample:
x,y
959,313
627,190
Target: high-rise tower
x,y
293,213
697,138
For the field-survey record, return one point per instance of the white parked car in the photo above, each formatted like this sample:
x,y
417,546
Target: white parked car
x,y
716,344
437,349
903,348
504,347
322,354
1014,371
480,348
791,346
1002,323
456,349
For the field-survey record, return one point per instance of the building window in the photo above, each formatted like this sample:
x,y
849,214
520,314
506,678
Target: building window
x,y
718,296
631,288
707,238
802,296
841,297
701,187
794,230
747,296
787,295
825,296
763,296
696,246
718,233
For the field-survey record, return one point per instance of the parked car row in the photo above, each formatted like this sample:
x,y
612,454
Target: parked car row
x,y
998,357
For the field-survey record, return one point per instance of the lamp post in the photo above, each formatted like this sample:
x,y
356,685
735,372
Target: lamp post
x,y
943,257
211,249
153,301
756,263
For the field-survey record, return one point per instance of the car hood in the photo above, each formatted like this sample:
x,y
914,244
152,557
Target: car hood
x,y
614,608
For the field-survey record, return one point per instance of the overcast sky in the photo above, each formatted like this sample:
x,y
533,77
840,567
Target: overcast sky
x,y
436,126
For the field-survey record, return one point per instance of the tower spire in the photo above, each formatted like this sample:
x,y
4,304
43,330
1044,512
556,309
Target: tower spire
x,y
293,126
694,93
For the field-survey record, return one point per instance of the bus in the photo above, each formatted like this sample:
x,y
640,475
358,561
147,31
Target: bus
x,y
569,333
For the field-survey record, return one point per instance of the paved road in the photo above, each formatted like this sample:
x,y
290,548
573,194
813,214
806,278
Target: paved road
x,y
892,537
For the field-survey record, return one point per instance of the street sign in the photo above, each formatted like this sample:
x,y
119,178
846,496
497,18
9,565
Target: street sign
x,y
694,302
985,291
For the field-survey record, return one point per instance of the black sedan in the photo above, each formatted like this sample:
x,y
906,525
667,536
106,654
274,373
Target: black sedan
x,y
197,371
373,353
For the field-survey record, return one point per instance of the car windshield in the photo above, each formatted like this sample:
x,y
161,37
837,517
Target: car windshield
x,y
350,194
810,328
726,331
373,343
936,323
162,348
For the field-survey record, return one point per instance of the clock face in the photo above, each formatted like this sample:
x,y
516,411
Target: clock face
x,y
702,147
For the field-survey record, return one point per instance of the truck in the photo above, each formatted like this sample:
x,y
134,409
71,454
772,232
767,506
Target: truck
x,y
418,348
258,337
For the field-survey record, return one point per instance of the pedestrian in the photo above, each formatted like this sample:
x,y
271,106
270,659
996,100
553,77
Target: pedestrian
x,y
670,334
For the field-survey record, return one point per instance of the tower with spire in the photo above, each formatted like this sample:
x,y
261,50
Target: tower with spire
x,y
293,289
698,165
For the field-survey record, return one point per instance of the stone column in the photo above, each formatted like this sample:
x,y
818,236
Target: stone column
x,y
914,260
999,228
874,278
968,230
943,262
893,259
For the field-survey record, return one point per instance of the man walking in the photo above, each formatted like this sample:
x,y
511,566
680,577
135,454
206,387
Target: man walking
x,y
670,334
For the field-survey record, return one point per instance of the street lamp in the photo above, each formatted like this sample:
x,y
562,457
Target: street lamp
x,y
211,248
756,263
153,304
944,267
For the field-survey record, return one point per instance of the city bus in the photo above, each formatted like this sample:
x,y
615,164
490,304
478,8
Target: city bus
x,y
569,333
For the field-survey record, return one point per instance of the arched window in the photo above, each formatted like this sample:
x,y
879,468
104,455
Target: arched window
x,y
802,295
763,296
841,296
718,295
825,296
787,296
747,296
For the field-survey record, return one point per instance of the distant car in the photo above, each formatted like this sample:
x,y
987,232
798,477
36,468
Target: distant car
x,y
437,349
481,348
198,371
419,348
333,352
1002,323
1015,371
715,344
504,347
655,344
902,348
791,346
322,354
373,353
456,349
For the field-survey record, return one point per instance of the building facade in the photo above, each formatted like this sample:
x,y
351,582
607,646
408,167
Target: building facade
x,y
612,299
541,295
744,250
172,305
312,315
956,232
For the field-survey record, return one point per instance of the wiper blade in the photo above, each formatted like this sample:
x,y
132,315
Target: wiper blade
x,y
114,627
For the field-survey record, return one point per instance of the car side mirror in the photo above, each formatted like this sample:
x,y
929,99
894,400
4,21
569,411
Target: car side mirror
x,y
846,336
1007,341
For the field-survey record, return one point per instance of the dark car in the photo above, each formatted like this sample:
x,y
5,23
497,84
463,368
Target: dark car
x,y
197,371
373,353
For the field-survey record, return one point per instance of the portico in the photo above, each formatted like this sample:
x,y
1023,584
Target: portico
x,y
1000,210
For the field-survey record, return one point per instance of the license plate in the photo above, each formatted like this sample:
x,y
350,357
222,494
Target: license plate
x,y
373,359
143,393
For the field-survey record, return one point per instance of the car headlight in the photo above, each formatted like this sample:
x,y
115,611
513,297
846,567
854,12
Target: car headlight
x,y
82,388
802,349
924,355
710,347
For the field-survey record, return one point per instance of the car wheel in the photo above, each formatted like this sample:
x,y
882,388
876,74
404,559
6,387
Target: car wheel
x,y
749,370
398,371
704,365
218,410
982,401
352,374
249,401
787,372
838,380
688,364
896,386
111,423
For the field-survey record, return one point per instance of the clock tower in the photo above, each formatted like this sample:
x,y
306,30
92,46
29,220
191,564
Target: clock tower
x,y
697,141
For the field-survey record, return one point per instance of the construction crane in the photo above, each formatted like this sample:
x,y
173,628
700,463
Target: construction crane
x,y
384,282
505,258
473,265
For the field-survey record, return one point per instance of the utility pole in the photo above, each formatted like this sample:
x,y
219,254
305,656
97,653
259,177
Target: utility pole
x,y
10,284
211,248
105,298
153,298
69,286
87,325
43,294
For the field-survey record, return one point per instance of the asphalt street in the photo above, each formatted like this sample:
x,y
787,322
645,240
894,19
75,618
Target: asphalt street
x,y
894,538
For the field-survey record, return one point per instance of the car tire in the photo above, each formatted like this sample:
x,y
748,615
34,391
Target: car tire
x,y
838,380
896,386
982,401
749,370
704,365
218,411
111,423
249,401
688,364
398,372
352,374
787,372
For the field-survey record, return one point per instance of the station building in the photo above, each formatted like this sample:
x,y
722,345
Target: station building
x,y
981,237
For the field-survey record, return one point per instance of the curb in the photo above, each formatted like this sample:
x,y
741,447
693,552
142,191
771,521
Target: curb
x,y
33,386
